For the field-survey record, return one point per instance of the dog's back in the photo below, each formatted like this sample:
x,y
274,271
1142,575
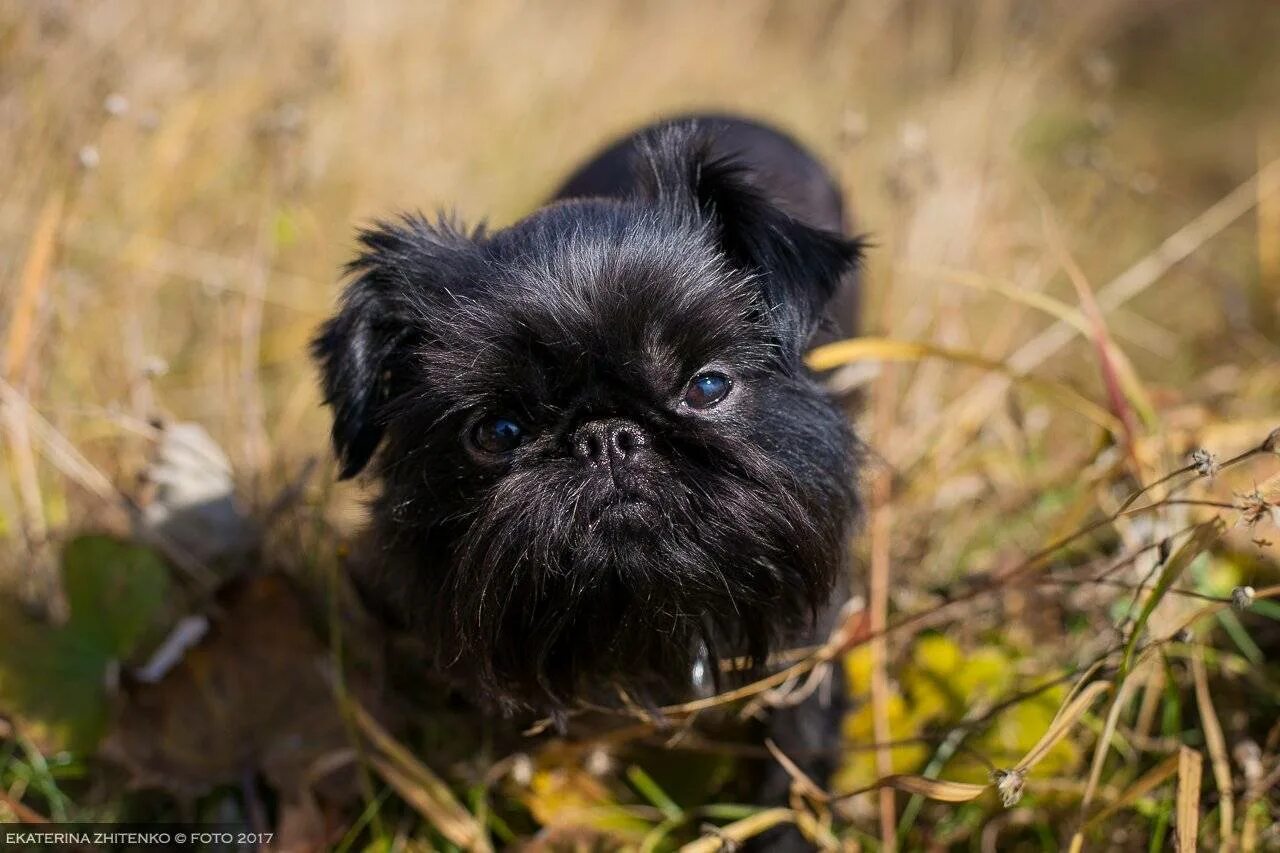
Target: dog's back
x,y
781,167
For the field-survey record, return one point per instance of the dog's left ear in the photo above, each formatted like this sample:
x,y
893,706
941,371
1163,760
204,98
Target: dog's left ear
x,y
364,351
801,267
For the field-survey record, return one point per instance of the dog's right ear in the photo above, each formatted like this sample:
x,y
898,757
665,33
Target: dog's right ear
x,y
364,350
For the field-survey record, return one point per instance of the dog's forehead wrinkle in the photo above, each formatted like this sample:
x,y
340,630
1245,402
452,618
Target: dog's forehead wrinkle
x,y
611,273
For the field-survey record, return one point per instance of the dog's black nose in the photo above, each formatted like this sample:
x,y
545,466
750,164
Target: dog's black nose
x,y
609,443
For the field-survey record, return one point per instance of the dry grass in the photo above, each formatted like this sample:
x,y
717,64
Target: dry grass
x,y
1076,280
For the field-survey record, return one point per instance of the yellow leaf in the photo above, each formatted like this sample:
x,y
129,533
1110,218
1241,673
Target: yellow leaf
x,y
566,796
933,789
1063,723
1148,782
740,830
1188,809
855,350
857,670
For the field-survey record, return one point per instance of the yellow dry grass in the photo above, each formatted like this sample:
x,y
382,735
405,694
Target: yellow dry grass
x,y
1073,206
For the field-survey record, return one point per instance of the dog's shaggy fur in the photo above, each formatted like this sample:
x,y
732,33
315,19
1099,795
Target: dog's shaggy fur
x,y
626,537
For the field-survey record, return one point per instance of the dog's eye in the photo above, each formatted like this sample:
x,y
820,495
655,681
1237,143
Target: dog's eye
x,y
706,390
497,435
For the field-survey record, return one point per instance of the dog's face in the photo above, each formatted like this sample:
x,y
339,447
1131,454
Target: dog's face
x,y
602,460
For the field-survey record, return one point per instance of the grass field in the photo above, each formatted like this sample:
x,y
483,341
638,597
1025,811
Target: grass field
x,y
1075,286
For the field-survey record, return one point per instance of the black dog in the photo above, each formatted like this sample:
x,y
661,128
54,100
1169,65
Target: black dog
x,y
604,465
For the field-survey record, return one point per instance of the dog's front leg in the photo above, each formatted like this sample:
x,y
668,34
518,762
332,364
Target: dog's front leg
x,y
808,733
806,727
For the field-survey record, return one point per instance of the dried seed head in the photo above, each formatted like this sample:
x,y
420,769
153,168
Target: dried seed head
x,y
1248,755
1009,784
116,104
599,762
522,770
1254,507
1205,463
1272,442
153,366
1242,598
89,157
727,844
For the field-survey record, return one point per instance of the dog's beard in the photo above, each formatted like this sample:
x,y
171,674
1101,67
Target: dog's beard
x,y
562,587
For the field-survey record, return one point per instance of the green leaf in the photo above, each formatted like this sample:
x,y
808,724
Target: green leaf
x,y
651,791
115,592
1240,636
54,677
1270,609
1202,538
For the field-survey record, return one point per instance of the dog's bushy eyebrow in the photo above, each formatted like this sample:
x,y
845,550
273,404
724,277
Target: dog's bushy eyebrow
x,y
591,304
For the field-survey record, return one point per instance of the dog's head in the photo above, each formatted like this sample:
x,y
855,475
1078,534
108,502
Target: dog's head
x,y
602,459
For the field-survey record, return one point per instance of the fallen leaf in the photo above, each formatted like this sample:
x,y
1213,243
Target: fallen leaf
x,y
251,696
566,796
115,592
57,678
194,503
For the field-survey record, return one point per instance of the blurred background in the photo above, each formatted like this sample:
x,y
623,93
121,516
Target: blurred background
x,y
1076,283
